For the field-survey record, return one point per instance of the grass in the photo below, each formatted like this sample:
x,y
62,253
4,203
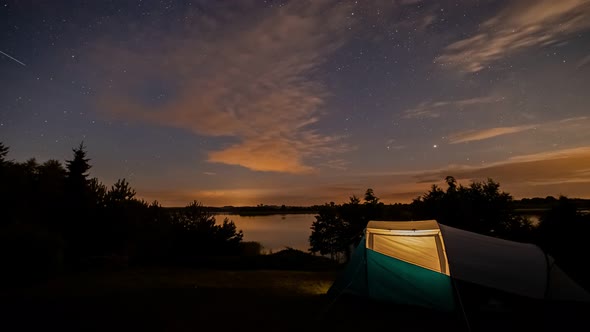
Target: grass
x,y
203,299
180,300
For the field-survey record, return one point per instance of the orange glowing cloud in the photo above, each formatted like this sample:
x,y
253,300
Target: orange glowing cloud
x,y
248,81
278,156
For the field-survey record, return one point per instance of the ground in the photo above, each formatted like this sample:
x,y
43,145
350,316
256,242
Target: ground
x,y
197,299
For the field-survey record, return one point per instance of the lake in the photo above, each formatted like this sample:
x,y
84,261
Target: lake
x,y
274,232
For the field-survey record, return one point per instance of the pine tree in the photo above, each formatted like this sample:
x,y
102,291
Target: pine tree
x,y
79,219
77,168
121,191
3,153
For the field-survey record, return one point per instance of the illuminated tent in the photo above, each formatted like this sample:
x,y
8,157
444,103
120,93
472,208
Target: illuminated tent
x,y
418,262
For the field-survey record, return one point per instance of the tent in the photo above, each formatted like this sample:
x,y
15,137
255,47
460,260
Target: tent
x,y
419,262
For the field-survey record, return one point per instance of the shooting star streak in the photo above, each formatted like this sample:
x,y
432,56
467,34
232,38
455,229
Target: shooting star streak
x,y
13,58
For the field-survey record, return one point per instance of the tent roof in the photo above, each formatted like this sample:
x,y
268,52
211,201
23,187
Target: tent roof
x,y
515,267
404,225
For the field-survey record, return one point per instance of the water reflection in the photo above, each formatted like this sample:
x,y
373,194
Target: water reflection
x,y
533,218
275,232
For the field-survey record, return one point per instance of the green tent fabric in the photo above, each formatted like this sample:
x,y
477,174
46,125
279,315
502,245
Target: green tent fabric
x,y
406,262
397,281
385,278
354,278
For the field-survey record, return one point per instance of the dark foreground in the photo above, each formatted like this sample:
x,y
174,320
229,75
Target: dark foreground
x,y
193,300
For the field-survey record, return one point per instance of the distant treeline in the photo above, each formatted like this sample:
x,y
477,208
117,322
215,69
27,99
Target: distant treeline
x,y
259,210
547,203
535,205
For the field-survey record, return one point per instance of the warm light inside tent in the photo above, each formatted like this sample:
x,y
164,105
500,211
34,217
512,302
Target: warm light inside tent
x,y
418,243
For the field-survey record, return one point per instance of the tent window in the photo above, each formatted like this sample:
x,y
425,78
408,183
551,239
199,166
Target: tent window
x,y
419,250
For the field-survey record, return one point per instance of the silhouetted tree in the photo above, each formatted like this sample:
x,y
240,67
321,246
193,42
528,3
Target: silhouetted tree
x,y
79,166
77,188
122,219
481,207
328,233
29,248
452,183
154,238
370,197
21,182
228,237
3,153
120,192
338,228
12,188
77,174
196,234
356,217
98,192
5,212
80,229
50,193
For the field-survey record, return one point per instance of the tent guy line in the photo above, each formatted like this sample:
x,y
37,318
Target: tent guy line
x,y
10,57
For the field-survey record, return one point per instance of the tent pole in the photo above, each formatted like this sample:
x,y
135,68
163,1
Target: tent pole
x,y
464,314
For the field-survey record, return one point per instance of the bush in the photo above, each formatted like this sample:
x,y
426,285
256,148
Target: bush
x,y
251,248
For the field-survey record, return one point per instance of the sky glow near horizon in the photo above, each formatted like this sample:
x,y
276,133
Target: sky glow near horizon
x,y
302,102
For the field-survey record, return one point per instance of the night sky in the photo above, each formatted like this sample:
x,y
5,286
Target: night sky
x,y
297,102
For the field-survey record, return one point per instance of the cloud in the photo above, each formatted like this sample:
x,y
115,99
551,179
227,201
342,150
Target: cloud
x,y
577,124
477,135
554,172
585,61
565,166
246,78
337,164
519,26
434,109
550,155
